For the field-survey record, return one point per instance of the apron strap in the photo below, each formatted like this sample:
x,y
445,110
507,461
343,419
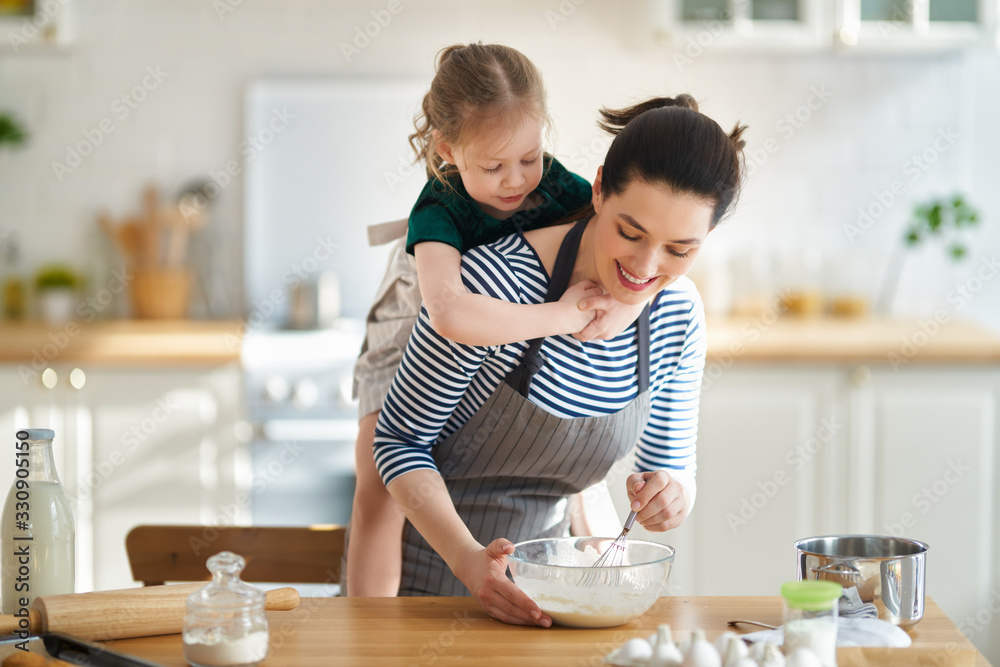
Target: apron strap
x,y
643,361
520,377
386,232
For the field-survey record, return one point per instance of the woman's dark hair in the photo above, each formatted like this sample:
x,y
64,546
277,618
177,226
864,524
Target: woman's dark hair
x,y
667,141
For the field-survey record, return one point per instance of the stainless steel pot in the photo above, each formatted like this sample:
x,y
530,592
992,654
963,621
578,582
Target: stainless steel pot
x,y
887,571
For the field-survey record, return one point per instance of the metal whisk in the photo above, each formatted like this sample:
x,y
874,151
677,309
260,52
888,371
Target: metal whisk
x,y
614,555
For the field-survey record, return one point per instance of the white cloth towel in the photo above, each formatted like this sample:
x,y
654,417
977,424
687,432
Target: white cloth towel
x,y
850,632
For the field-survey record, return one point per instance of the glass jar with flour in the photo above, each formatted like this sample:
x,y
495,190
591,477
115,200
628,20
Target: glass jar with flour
x,y
810,614
224,622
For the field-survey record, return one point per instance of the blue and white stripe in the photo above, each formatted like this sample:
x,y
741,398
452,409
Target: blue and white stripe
x,y
441,384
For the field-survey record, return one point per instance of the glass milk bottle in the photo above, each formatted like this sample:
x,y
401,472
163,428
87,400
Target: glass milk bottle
x,y
38,535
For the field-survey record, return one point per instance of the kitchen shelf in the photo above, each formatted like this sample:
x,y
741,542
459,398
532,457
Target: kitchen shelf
x,y
122,342
892,342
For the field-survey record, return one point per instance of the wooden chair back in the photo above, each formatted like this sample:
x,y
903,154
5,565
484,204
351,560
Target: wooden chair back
x,y
274,554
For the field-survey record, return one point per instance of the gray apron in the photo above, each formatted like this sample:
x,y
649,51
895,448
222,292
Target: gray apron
x,y
510,468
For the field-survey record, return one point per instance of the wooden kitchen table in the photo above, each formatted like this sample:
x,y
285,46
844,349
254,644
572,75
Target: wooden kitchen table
x,y
448,631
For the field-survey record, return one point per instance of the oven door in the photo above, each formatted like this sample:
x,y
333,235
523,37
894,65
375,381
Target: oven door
x,y
304,424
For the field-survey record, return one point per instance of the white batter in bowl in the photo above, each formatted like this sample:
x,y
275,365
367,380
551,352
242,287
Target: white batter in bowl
x,y
558,575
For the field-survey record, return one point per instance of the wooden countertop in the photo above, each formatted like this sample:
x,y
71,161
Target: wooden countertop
x,y
730,340
122,342
828,339
450,631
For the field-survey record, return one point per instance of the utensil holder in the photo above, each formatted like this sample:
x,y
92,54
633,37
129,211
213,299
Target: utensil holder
x,y
161,293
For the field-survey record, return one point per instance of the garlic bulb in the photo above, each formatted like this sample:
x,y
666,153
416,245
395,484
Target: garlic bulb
x,y
735,651
767,654
701,653
803,657
635,652
665,652
722,641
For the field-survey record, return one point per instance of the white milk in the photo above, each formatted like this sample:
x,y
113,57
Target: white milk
x,y
52,564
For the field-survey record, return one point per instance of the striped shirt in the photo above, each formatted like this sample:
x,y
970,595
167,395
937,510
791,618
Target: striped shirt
x,y
440,384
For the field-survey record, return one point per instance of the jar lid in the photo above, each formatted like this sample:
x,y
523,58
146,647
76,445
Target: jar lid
x,y
811,595
36,434
226,591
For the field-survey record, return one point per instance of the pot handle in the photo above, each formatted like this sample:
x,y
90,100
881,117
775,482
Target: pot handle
x,y
835,568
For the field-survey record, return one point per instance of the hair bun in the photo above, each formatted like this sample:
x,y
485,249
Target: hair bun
x,y
682,100
616,119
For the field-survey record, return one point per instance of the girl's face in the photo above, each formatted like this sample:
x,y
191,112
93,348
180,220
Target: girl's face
x,y
500,175
646,238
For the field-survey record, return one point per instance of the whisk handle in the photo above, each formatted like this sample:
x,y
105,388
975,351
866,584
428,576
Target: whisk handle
x,y
629,521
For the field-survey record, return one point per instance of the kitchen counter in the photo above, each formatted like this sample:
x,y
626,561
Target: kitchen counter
x,y
122,342
829,339
448,631
778,339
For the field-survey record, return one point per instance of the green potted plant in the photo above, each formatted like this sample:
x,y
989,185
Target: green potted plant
x,y
945,219
11,131
56,286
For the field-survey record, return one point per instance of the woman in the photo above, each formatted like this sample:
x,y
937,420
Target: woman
x,y
483,445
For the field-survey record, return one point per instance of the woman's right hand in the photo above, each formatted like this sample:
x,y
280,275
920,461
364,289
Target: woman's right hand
x,y
484,573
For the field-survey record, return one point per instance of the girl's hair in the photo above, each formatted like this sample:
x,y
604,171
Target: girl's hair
x,y
667,141
480,91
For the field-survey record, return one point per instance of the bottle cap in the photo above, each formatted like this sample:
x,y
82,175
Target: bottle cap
x,y
36,434
811,595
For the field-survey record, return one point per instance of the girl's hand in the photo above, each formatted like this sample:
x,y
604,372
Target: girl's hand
x,y
572,299
483,572
658,498
613,317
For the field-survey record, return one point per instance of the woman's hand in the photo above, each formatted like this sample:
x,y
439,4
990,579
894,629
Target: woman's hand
x,y
483,572
658,500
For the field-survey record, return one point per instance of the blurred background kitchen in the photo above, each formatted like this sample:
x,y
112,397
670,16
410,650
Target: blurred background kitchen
x,y
184,193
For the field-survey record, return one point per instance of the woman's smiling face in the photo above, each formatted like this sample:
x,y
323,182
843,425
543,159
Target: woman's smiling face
x,y
646,238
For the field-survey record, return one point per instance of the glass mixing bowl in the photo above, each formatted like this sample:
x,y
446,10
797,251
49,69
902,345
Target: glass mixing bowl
x,y
557,574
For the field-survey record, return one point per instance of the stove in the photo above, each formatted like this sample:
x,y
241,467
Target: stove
x,y
297,387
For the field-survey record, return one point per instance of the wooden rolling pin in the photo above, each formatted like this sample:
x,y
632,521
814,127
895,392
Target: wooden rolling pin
x,y
120,614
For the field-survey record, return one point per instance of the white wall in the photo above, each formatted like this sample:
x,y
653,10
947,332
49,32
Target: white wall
x,y
880,112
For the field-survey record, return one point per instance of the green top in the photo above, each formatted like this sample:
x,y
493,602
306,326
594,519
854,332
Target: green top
x,y
811,595
448,215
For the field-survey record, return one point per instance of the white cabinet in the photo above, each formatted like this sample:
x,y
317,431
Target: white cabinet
x,y
693,27
888,25
136,445
788,452
771,448
926,450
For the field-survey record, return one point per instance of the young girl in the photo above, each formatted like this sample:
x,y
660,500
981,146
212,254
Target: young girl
x,y
480,134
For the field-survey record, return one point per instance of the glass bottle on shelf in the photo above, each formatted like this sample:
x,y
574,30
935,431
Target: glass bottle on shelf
x,y
13,282
38,539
